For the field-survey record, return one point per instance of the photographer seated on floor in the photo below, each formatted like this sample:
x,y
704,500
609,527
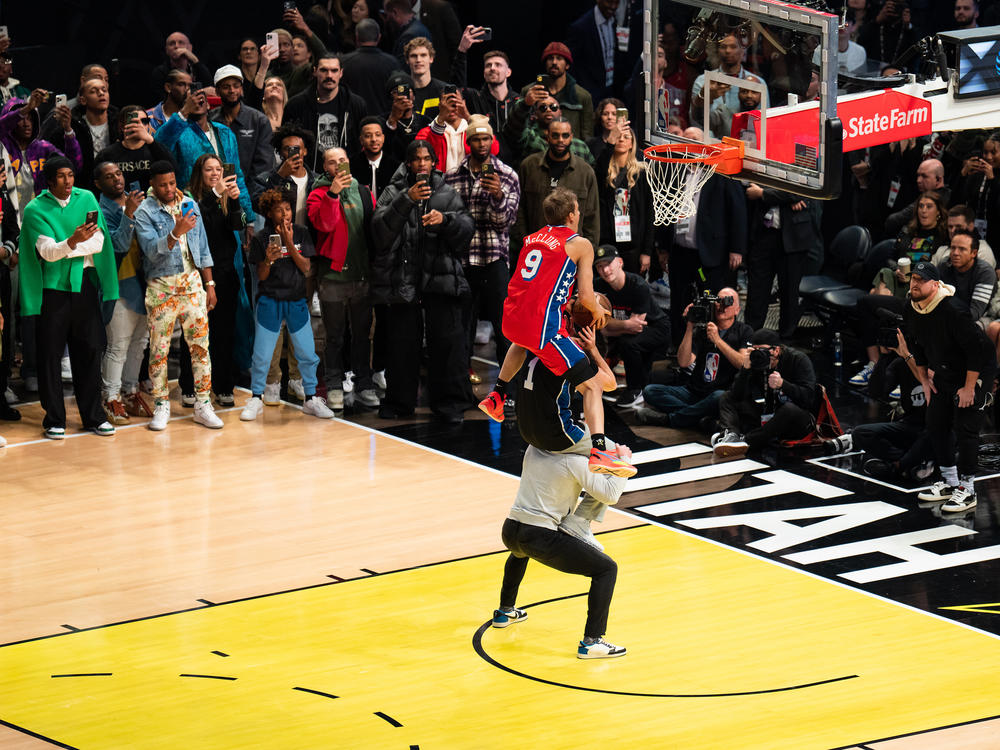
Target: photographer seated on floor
x,y
900,447
714,348
772,398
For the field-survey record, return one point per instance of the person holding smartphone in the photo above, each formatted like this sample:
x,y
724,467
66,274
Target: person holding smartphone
x,y
67,271
177,262
281,255
137,148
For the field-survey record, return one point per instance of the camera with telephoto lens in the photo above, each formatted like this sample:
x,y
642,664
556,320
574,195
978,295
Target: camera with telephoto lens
x,y
760,359
888,323
703,308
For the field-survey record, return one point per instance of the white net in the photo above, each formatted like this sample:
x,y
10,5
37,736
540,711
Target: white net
x,y
674,185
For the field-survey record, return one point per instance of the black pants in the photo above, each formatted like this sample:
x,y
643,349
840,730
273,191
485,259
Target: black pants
x,y
767,260
489,290
902,441
221,338
566,554
790,421
7,336
342,304
72,318
638,351
380,337
449,393
943,416
402,324
682,268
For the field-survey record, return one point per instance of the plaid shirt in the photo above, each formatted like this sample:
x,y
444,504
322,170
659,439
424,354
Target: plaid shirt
x,y
493,216
533,141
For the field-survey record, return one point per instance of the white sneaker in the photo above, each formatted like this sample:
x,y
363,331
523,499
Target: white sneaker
x,y
10,396
368,397
599,649
252,409
161,415
961,500
67,370
335,399
348,381
937,493
188,399
731,445
272,394
316,407
864,375
580,528
484,331
378,379
296,389
205,415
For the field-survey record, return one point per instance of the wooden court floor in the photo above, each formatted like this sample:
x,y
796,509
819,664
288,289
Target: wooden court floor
x,y
298,583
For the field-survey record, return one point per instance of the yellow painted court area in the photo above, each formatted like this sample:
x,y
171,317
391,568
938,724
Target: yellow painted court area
x,y
699,620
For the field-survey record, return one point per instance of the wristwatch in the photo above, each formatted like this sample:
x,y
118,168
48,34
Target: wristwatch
x,y
210,282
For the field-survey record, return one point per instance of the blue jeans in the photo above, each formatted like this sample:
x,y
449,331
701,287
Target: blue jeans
x,y
684,408
268,317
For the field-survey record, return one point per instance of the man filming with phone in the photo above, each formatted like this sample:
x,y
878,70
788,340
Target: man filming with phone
x,y
137,149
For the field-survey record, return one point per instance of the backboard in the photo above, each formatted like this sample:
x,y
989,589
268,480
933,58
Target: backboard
x,y
761,59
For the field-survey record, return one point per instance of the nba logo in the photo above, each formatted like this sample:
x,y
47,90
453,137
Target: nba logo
x,y
711,366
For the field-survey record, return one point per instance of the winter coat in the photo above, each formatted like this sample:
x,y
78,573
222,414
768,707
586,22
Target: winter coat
x,y
411,260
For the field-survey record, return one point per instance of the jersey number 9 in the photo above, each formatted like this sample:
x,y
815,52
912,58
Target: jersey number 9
x,y
531,263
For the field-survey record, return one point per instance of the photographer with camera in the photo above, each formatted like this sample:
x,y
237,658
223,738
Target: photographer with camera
x,y
956,364
714,348
772,398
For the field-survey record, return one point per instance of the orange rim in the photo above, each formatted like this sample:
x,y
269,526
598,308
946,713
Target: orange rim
x,y
726,157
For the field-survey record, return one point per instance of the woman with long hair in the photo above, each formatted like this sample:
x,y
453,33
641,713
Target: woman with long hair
x,y
607,115
275,99
625,200
218,199
249,57
927,230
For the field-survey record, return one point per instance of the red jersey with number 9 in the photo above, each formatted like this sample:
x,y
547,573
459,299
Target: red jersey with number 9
x,y
541,284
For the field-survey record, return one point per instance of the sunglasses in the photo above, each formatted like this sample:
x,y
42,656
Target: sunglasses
x,y
548,107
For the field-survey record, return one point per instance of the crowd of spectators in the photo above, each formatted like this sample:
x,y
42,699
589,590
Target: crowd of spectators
x,y
340,167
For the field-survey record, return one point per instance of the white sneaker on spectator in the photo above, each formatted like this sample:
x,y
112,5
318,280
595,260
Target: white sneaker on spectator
x,y
864,375
252,409
731,445
272,394
335,399
205,415
378,379
316,407
67,370
484,331
161,415
10,396
961,500
895,394
295,388
368,397
348,385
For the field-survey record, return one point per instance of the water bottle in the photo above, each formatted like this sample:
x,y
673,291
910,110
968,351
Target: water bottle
x,y
838,351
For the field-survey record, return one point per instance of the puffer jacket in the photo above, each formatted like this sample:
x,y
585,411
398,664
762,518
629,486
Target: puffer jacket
x,y
411,260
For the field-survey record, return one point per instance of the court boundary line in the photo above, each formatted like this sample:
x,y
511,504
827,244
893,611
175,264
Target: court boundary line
x,y
918,732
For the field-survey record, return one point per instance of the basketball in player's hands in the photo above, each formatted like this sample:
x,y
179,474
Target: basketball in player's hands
x,y
583,317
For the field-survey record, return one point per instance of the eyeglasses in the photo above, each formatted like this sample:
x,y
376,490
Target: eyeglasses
x,y
548,107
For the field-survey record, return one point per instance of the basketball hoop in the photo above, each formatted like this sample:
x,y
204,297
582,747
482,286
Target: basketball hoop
x,y
677,171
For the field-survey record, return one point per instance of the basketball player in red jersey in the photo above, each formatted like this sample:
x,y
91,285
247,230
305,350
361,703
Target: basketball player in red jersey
x,y
552,260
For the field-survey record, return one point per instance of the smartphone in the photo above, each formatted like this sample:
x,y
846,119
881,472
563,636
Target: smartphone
x,y
449,88
293,151
196,87
344,167
422,178
133,116
134,187
91,217
187,207
271,39
621,114
288,5
228,170
60,99
402,90
487,34
544,80
274,239
488,169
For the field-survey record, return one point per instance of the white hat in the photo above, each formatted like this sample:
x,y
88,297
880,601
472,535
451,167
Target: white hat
x,y
228,71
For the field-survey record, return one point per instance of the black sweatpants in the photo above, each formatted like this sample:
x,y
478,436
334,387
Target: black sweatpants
x,y
943,416
639,350
565,553
221,338
489,290
72,318
790,421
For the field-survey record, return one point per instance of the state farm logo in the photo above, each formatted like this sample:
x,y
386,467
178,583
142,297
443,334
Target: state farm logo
x,y
893,120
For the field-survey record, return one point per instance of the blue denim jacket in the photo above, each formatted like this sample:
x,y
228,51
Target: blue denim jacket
x,y
152,225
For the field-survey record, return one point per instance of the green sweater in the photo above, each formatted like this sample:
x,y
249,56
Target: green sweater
x,y
44,216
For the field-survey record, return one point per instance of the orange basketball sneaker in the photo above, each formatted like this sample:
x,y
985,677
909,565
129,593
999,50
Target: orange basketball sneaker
x,y
602,462
492,405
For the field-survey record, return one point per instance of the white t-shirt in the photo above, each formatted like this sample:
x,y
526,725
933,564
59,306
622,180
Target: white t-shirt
x,y
301,210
